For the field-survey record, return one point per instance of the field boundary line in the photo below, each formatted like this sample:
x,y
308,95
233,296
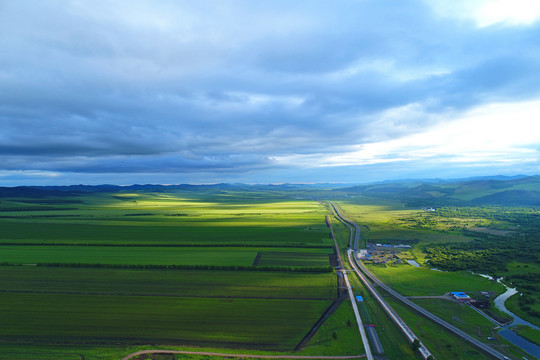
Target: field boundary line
x,y
251,356
331,309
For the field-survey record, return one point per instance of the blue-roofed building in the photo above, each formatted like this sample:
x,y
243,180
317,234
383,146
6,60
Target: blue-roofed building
x,y
460,296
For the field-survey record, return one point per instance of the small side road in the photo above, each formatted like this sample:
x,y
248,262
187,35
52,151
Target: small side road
x,y
239,356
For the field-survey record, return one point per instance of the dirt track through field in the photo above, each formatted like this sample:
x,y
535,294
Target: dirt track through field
x,y
239,356
331,309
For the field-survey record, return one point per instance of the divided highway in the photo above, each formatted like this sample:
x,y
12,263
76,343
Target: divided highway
x,y
343,271
354,240
360,269
429,315
388,309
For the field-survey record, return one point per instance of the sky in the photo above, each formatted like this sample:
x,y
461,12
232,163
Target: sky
x,y
171,92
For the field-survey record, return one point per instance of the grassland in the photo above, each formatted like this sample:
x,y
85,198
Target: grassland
x,y
144,255
387,221
140,232
461,316
313,257
513,304
339,334
156,218
412,281
394,343
81,307
172,283
105,311
260,323
441,343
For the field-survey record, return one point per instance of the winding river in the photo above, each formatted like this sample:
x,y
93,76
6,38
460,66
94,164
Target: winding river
x,y
499,304
508,334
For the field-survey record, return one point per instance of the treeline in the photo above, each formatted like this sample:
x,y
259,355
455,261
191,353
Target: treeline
x,y
522,216
35,208
316,269
487,254
452,259
460,218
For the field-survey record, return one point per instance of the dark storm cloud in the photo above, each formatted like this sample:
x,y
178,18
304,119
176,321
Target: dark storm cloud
x,y
140,86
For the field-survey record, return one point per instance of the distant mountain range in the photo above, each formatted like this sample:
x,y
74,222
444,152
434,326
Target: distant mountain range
x,y
510,191
495,190
41,191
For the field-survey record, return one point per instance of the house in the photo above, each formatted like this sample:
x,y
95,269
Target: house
x,y
460,296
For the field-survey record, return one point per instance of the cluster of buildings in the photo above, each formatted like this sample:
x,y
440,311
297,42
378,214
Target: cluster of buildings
x,y
464,298
400,246
381,253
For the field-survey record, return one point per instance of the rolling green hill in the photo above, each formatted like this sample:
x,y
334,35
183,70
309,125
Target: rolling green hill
x,y
522,191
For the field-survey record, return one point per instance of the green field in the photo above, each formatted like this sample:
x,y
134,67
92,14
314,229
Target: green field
x,y
461,316
261,323
173,231
142,255
394,343
157,218
173,283
412,281
284,258
96,274
441,343
388,221
79,305
339,334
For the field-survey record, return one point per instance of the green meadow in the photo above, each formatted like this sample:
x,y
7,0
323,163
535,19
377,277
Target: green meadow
x,y
461,316
156,218
172,283
143,255
236,271
92,269
412,281
390,222
260,323
441,343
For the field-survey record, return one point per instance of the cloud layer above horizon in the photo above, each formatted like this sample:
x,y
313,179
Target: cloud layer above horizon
x,y
240,91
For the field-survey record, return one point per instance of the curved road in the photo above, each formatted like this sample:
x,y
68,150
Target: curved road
x,y
393,315
361,329
419,309
429,315
355,234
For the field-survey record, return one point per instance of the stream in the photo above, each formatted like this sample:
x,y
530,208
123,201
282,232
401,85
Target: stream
x,y
508,334
499,304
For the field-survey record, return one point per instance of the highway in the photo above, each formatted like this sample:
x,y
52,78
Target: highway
x,y
355,235
354,239
358,318
358,265
361,329
388,309
429,315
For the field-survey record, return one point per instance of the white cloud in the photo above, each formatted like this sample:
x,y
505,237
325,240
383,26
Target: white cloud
x,y
494,133
489,12
181,87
